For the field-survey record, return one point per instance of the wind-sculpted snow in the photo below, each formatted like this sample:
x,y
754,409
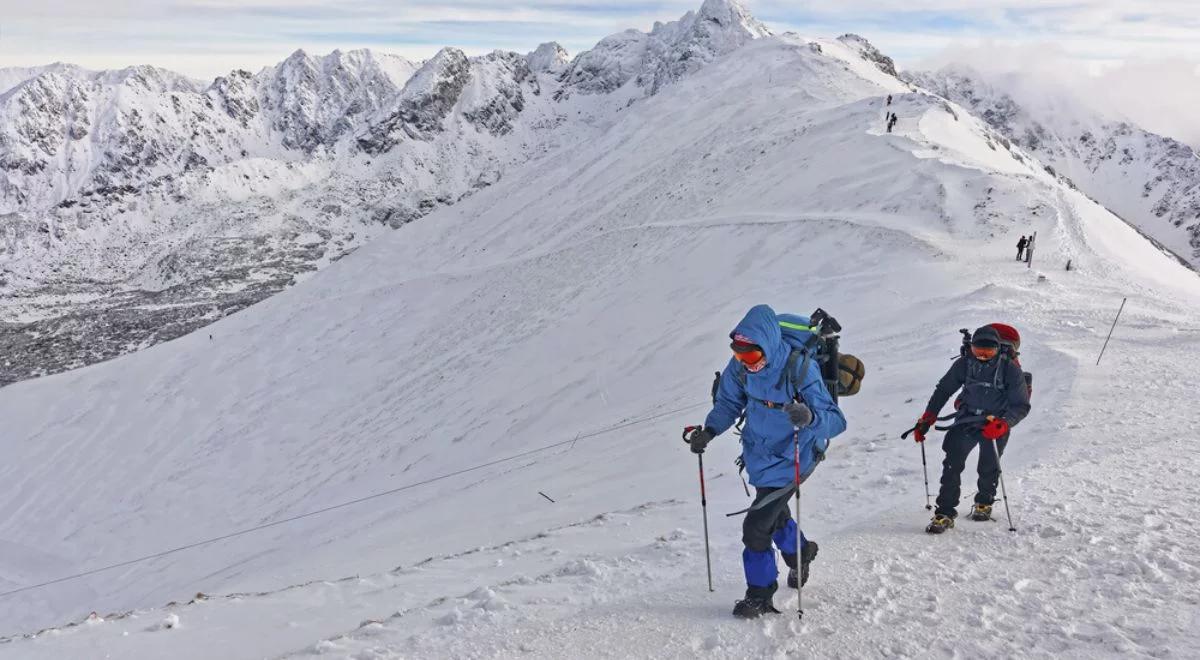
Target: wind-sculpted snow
x,y
1150,180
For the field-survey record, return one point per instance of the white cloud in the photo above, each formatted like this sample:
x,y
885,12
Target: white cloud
x,y
1160,95
206,38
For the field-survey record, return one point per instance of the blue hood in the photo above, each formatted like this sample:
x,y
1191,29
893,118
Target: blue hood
x,y
761,325
768,438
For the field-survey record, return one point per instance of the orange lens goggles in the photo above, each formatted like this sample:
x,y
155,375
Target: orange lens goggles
x,y
749,358
984,352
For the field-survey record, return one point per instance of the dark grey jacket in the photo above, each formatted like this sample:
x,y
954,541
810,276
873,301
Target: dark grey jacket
x,y
996,387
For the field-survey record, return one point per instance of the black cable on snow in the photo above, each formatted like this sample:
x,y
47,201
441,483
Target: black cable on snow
x,y
360,500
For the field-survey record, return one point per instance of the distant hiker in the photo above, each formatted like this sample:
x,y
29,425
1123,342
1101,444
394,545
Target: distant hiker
x,y
889,99
892,122
784,401
995,398
1021,245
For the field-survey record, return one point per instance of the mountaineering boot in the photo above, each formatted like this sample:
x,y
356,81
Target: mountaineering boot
x,y
808,554
754,607
981,512
756,603
940,524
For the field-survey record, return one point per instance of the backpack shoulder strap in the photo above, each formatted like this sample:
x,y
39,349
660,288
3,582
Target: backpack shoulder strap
x,y
788,379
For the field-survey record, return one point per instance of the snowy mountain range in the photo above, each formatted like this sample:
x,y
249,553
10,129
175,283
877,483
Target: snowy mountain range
x,y
1150,180
462,440
139,205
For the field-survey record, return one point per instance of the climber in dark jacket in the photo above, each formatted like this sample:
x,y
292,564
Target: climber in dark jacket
x,y
994,399
1021,245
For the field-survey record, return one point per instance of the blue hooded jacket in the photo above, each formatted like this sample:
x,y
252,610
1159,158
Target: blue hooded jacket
x,y
768,443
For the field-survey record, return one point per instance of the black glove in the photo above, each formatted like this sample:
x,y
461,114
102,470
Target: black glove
x,y
799,413
699,439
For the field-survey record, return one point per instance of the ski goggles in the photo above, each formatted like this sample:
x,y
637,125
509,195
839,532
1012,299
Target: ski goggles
x,y
747,354
985,353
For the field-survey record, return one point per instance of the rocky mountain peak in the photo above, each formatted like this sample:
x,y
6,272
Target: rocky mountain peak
x,y
549,57
425,101
869,52
315,100
667,53
731,15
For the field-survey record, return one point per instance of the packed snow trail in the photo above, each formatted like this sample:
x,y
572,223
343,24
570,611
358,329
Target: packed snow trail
x,y
599,285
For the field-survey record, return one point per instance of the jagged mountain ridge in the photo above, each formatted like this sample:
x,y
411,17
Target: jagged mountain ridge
x,y
1152,181
138,205
666,53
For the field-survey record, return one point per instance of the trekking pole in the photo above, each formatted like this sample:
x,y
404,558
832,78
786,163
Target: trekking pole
x,y
924,465
1110,330
799,536
1003,490
704,506
925,469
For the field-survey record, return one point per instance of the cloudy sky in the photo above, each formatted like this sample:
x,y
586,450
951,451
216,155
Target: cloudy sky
x,y
1144,47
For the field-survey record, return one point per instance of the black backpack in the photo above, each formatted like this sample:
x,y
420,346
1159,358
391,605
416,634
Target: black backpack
x,y
1010,349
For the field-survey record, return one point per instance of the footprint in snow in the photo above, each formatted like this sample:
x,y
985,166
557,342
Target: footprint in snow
x,y
1051,532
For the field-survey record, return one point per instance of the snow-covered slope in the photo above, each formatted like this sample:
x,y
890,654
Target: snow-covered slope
x,y
552,333
138,205
1150,180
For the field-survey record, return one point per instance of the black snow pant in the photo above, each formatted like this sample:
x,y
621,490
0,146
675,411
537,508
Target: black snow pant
x,y
958,443
1020,254
760,525
771,524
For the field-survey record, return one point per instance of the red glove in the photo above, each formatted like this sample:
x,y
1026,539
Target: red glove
x,y
995,429
927,420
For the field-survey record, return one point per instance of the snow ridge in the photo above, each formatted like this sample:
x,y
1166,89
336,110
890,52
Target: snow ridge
x,y
1149,179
